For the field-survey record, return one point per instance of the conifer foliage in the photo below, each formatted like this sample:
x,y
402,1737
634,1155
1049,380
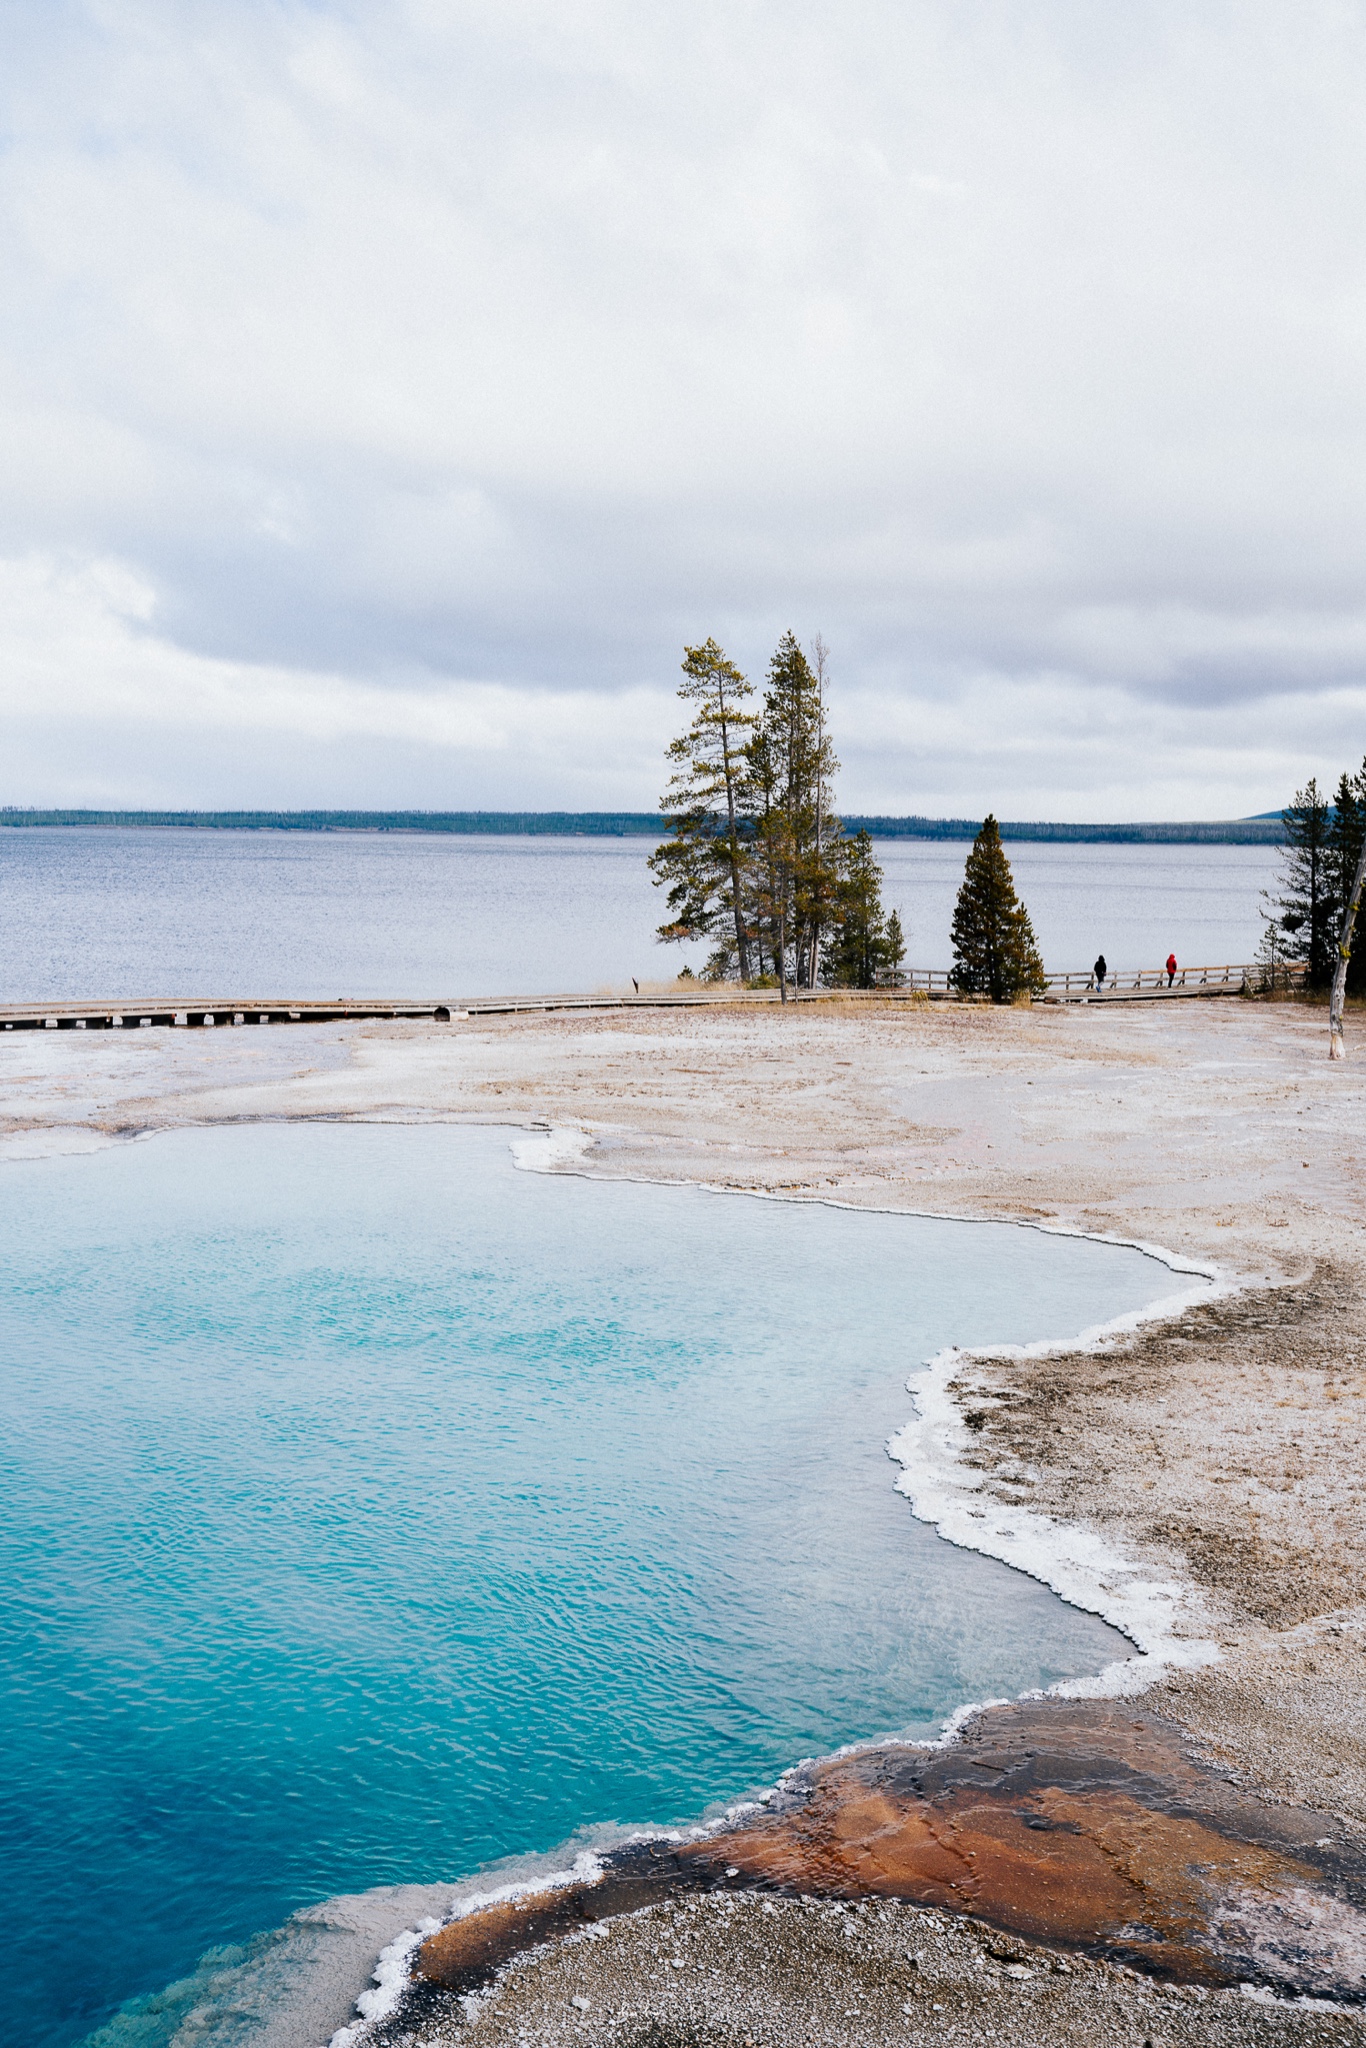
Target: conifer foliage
x,y
866,948
703,861
1318,862
1345,838
1323,841
792,765
994,953
1306,899
755,860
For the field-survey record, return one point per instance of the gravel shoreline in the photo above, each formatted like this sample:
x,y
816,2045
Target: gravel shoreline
x,y
767,1973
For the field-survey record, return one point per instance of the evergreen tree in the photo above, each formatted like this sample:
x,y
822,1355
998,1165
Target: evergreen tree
x,y
994,953
894,950
793,765
1275,953
1347,923
828,827
866,946
773,857
1307,903
1346,834
703,861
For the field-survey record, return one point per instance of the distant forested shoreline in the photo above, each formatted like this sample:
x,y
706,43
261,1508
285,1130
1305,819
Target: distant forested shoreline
x,y
645,824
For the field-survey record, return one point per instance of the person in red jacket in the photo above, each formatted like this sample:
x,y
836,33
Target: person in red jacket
x,y
1171,969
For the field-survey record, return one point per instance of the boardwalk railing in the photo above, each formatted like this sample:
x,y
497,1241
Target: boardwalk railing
x,y
1148,984
1127,983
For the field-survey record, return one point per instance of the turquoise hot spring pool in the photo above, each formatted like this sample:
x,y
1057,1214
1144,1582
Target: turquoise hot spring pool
x,y
373,1510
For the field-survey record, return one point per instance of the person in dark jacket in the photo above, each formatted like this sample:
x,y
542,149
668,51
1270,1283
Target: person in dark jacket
x,y
1098,971
1171,969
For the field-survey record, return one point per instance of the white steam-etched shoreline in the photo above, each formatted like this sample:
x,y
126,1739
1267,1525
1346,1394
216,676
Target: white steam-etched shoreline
x,y
1080,1565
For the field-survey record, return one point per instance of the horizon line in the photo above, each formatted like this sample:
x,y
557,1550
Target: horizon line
x,y
1265,828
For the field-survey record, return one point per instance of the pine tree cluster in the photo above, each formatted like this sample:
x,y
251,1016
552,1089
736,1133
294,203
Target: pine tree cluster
x,y
1323,841
756,860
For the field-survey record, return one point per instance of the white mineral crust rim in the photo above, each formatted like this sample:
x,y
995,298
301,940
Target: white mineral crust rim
x,y
1083,1567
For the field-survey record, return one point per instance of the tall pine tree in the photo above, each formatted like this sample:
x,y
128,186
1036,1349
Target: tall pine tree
x,y
1306,907
994,953
1346,834
773,857
794,766
703,861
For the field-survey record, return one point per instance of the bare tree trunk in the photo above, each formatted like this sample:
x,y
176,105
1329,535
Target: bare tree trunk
x,y
1337,1046
741,936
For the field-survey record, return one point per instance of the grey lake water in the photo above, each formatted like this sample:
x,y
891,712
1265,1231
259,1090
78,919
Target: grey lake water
x,y
138,913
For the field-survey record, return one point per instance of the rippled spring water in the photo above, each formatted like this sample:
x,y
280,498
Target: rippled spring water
x,y
372,1510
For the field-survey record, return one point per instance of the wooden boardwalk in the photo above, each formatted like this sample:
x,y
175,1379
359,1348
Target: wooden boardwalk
x,y
1147,985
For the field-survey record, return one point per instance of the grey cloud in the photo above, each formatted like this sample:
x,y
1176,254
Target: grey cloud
x,y
422,342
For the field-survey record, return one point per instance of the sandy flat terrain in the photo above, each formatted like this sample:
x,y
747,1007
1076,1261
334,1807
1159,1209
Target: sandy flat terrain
x,y
1223,1452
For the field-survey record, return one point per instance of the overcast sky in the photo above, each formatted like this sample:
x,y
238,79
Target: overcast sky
x,y
388,391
